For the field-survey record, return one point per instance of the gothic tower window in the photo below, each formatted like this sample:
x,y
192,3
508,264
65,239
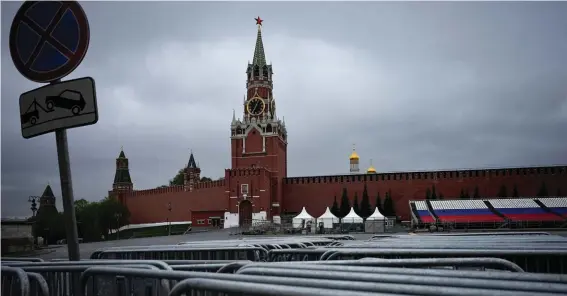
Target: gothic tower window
x,y
265,72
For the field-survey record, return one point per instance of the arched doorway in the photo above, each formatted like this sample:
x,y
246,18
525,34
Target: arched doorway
x,y
245,213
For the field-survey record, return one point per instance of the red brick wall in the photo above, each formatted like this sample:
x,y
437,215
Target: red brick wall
x,y
151,206
316,193
254,141
205,215
258,180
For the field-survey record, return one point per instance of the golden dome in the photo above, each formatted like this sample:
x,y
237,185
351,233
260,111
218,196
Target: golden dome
x,y
353,155
371,170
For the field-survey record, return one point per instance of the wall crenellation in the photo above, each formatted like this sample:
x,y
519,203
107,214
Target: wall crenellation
x,y
248,171
175,188
430,175
211,184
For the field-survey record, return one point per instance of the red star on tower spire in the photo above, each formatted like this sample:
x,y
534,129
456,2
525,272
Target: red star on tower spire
x,y
259,21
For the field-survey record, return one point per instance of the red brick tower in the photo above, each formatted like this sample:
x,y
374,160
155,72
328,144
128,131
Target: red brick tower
x,y
192,174
258,143
122,181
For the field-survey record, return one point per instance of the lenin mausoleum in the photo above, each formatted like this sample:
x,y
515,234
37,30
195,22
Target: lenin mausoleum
x,y
257,186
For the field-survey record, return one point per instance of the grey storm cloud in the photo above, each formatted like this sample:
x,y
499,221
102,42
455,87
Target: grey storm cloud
x,y
416,85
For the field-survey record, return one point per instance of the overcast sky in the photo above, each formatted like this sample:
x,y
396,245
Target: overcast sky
x,y
417,86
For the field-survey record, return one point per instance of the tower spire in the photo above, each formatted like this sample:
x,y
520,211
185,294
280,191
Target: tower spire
x,y
259,55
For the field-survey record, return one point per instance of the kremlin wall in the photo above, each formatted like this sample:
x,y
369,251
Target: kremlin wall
x,y
257,186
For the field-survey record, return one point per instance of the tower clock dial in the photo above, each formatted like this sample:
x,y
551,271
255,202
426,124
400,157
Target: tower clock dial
x,y
255,106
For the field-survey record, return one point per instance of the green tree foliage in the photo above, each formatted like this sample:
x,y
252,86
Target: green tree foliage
x,y
428,194
335,208
503,192
97,219
178,179
389,209
345,204
112,215
379,203
462,195
476,193
433,193
515,191
355,204
365,208
49,225
543,190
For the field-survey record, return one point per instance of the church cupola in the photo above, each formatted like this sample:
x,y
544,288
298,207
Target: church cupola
x,y
354,161
371,169
122,181
192,174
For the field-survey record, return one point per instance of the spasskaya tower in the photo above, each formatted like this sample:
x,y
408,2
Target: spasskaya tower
x,y
260,138
258,149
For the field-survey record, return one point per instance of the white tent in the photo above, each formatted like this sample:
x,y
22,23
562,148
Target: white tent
x,y
376,216
352,217
328,219
303,216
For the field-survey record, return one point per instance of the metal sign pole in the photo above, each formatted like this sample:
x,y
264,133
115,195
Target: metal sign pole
x,y
67,195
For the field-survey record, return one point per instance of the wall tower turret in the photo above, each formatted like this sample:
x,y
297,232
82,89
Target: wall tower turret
x,y
122,181
192,174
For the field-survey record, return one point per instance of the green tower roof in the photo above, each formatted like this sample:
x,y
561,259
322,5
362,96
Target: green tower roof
x,y
259,55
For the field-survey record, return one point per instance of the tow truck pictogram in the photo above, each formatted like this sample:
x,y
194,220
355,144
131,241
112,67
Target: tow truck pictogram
x,y
67,99
32,116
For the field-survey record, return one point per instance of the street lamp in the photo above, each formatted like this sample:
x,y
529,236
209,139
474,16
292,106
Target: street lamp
x,y
32,199
168,221
117,216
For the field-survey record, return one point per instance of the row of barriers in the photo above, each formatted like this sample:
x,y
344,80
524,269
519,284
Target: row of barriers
x,y
480,264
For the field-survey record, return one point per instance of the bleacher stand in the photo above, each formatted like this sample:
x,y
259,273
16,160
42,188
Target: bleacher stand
x,y
492,213
522,209
458,211
557,205
423,213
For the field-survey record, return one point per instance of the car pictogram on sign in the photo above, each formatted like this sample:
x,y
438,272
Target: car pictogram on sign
x,y
32,114
67,99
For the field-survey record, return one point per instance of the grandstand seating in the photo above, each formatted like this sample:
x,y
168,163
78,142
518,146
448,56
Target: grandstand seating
x,y
522,209
462,211
557,205
495,212
423,212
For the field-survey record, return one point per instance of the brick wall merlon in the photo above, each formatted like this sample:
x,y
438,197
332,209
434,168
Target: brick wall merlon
x,y
211,184
431,175
239,172
160,190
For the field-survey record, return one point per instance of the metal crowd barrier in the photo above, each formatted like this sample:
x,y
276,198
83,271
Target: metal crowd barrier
x,y
15,281
480,265
183,252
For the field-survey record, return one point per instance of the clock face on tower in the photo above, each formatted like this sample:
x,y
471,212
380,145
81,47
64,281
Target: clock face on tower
x,y
255,106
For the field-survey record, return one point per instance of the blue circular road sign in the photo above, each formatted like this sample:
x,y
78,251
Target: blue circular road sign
x,y
49,39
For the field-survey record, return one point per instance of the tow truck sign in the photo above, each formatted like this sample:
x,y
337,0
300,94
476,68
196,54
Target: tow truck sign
x,y
63,105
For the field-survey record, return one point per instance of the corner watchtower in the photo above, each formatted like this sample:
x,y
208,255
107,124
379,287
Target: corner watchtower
x,y
122,180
